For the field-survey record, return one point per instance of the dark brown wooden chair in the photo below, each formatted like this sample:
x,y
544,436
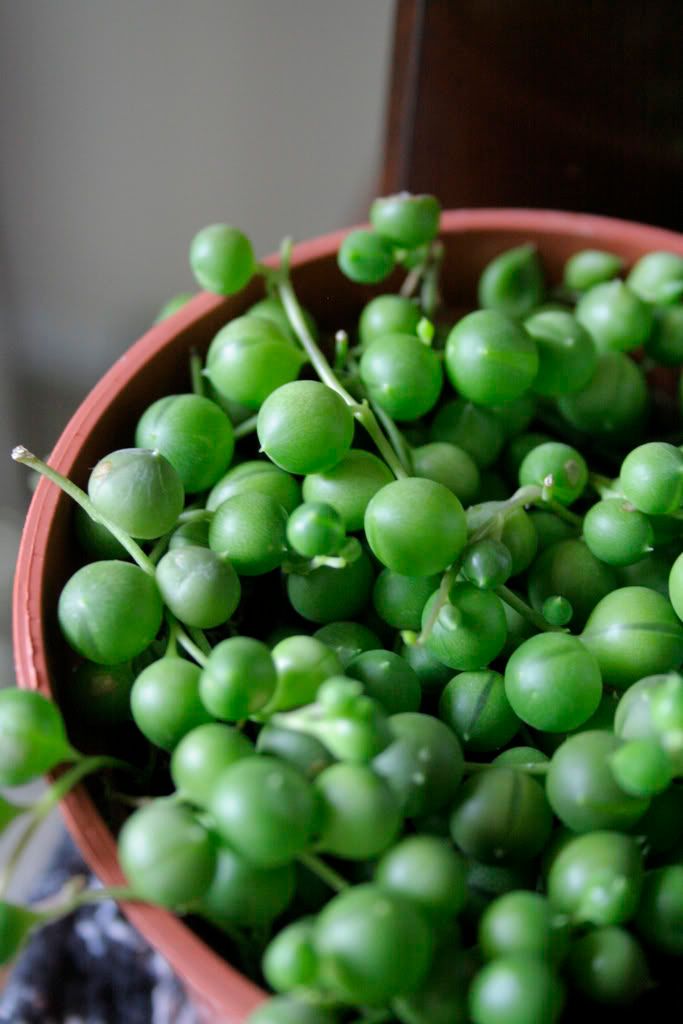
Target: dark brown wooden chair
x,y
571,104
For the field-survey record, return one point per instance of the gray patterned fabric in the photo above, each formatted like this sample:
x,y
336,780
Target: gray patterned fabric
x,y
90,968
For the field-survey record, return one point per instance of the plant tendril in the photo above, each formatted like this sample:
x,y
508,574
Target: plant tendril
x,y
196,374
188,644
323,871
50,798
246,427
447,581
526,611
27,458
531,767
360,410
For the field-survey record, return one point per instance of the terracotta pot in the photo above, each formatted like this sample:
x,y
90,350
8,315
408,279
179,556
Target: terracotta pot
x,y
157,365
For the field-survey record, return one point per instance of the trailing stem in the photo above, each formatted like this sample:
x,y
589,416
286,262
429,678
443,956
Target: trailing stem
x,y
27,458
196,374
50,798
246,427
196,646
447,580
323,871
526,611
531,767
361,410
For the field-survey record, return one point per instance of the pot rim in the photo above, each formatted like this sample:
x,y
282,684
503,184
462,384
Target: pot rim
x,y
207,972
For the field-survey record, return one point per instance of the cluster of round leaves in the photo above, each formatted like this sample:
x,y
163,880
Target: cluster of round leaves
x,y
402,226
368,633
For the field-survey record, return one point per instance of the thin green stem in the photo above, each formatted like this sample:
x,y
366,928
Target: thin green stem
x,y
563,513
531,767
196,374
190,515
426,274
412,280
526,611
365,416
27,458
297,564
246,427
430,297
603,486
200,639
360,410
159,549
270,275
500,510
50,798
398,441
323,871
193,515
531,494
190,646
70,778
32,826
447,581
298,322
172,643
119,893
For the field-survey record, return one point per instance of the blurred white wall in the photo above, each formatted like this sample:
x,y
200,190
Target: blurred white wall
x,y
128,124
